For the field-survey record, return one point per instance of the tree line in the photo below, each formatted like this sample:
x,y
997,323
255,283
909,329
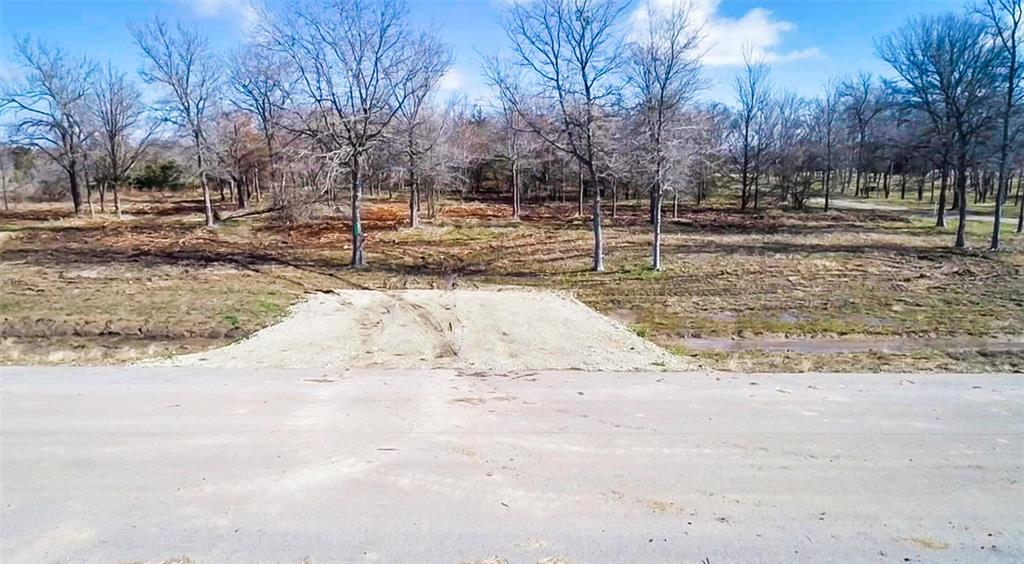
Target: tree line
x,y
340,98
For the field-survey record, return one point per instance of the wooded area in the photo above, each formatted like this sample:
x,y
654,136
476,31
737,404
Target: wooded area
x,y
326,153
338,99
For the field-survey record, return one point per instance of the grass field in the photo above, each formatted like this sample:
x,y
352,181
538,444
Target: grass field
x,y
101,290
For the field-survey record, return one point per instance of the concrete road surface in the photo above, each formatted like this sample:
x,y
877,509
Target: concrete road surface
x,y
233,465
880,205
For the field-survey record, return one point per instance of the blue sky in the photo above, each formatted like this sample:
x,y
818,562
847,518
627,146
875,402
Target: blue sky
x,y
806,41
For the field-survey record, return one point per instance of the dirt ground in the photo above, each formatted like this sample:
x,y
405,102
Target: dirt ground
x,y
94,291
494,330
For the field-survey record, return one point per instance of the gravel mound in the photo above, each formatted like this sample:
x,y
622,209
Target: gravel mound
x,y
496,330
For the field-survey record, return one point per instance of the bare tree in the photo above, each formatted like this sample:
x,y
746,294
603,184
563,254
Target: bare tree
x,y
826,114
950,71
505,82
353,59
713,124
569,50
443,157
664,72
120,115
179,59
260,80
1005,20
414,117
51,107
622,159
864,100
792,149
753,91
237,146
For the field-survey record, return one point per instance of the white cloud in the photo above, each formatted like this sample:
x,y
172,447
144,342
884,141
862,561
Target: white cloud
x,y
801,55
726,39
452,80
244,10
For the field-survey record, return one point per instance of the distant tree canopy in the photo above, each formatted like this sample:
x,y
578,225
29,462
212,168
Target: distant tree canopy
x,y
24,159
163,175
597,100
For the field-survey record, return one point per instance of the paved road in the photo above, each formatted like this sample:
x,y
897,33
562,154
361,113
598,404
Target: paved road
x,y
217,465
880,205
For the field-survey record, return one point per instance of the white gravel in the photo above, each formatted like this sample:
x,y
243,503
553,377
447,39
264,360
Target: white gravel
x,y
502,329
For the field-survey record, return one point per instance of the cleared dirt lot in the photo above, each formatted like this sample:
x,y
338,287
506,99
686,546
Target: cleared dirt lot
x,y
101,291
502,330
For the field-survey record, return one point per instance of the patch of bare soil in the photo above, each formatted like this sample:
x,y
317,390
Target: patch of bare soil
x,y
503,329
6,236
106,350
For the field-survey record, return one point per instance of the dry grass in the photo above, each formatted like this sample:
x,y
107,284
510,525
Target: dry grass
x,y
158,281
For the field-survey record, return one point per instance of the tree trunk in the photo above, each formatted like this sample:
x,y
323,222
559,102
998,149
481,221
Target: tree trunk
x,y
88,198
207,205
828,186
579,203
3,179
414,197
1020,187
76,193
598,235
745,180
885,185
940,220
651,210
961,191
757,190
103,197
419,198
357,225
997,214
1020,212
956,193
656,247
240,189
515,190
431,199
117,202
615,199
1003,188
256,184
981,182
